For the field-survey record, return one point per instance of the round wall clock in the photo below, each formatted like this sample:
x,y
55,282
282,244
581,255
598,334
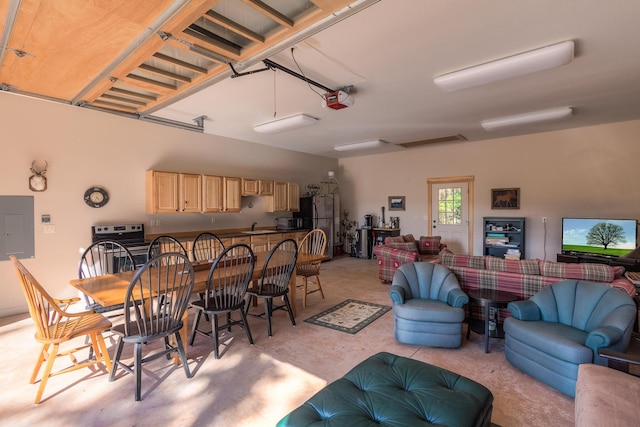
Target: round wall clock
x,y
96,197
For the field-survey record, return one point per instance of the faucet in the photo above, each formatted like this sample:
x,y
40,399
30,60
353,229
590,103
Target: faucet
x,y
253,226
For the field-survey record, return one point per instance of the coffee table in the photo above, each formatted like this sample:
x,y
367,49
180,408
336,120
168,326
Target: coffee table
x,y
488,299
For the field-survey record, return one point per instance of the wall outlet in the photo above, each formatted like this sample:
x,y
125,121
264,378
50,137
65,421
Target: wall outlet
x,y
544,219
49,228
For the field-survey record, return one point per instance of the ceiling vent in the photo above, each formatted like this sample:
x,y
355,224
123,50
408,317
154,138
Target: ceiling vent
x,y
435,140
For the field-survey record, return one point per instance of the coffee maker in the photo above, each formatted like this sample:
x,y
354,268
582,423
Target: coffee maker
x,y
368,221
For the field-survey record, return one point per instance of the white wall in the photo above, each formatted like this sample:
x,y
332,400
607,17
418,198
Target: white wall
x,y
85,148
588,172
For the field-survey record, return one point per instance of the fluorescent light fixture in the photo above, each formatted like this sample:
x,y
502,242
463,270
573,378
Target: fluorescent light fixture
x,y
506,68
526,118
360,145
288,123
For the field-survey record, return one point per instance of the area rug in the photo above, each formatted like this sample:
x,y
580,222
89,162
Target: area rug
x,y
349,316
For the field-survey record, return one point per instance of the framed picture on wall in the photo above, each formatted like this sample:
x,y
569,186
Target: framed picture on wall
x,y
396,203
505,198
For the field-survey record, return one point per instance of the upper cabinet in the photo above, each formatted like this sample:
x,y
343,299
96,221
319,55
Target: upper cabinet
x,y
257,187
213,194
221,194
249,187
293,197
286,197
232,192
175,192
172,192
265,187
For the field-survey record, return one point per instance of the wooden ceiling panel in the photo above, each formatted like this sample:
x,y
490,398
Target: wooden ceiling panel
x,y
102,53
69,42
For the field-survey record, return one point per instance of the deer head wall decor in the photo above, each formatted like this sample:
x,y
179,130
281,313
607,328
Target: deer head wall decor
x,y
37,181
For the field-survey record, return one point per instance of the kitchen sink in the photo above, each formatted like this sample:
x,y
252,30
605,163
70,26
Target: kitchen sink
x,y
259,232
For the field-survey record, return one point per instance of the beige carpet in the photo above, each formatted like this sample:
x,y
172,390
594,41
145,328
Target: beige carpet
x,y
257,385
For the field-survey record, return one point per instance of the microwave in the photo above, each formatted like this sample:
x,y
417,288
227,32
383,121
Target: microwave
x,y
285,224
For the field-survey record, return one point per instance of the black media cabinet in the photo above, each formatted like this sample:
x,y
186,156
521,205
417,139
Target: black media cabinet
x,y
629,264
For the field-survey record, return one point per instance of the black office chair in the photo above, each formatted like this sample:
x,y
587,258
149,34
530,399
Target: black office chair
x,y
166,283
206,247
227,284
274,282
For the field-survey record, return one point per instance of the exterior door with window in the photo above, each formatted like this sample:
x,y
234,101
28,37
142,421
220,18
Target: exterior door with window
x,y
450,215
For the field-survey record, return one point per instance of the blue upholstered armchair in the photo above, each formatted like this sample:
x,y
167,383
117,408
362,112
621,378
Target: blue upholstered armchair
x,y
563,326
427,305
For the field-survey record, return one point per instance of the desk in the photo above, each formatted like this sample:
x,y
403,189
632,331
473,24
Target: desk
x,y
111,289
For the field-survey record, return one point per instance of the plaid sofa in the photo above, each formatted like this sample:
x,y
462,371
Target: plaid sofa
x,y
526,277
400,250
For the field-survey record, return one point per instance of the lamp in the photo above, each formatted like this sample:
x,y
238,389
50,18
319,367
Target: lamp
x,y
526,118
360,145
288,123
506,68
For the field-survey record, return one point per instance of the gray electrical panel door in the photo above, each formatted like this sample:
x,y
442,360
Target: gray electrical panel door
x,y
16,216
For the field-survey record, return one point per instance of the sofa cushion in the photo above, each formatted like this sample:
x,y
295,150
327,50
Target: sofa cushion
x,y
429,245
586,271
524,266
449,259
568,342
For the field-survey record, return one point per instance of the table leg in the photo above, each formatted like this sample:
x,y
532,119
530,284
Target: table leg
x,y
292,293
486,328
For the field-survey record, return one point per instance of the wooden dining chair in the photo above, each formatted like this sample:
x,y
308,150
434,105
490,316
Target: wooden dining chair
x,y
155,303
227,284
206,247
315,242
56,326
274,282
101,258
165,244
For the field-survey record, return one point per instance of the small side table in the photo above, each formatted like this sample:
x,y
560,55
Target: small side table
x,y
488,299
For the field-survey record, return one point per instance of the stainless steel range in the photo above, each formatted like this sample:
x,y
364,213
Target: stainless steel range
x,y
131,236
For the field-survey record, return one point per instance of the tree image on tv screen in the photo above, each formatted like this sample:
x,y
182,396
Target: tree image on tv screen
x,y
605,234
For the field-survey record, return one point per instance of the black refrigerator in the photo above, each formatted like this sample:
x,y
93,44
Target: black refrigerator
x,y
317,212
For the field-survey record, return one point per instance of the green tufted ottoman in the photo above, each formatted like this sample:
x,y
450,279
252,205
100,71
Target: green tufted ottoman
x,y
390,390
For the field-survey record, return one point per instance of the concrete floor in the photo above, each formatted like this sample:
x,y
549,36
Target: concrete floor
x,y
257,385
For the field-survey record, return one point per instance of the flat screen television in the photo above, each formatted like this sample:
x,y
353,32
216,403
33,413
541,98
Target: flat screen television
x,y
599,236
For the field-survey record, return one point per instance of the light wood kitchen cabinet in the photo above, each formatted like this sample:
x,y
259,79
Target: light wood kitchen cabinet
x,y
278,202
286,197
190,193
172,192
293,197
260,243
221,194
232,192
213,194
241,239
250,187
265,187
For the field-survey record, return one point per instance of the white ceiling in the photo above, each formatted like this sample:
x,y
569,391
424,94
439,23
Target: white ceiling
x,y
391,51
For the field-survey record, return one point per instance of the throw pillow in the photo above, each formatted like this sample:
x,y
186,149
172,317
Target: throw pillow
x,y
429,245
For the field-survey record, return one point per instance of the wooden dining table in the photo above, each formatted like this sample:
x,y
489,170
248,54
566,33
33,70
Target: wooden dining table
x,y
111,289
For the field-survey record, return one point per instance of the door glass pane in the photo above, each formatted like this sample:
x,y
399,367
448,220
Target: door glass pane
x,y
449,203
